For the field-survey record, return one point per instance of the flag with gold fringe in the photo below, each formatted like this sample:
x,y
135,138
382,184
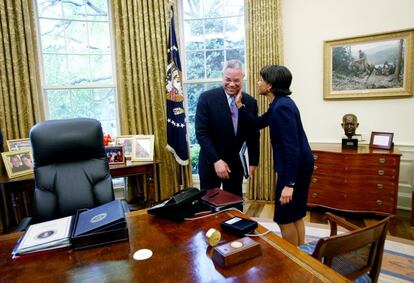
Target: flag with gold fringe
x,y
176,122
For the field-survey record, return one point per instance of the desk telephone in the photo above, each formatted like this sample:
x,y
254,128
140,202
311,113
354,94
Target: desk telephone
x,y
181,205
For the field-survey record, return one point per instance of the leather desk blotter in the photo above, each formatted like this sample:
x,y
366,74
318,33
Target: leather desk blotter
x,y
235,252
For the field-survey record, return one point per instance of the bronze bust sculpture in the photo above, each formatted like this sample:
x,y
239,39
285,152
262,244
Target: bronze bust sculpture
x,y
349,124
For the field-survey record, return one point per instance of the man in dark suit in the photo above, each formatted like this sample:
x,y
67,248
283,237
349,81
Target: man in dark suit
x,y
221,136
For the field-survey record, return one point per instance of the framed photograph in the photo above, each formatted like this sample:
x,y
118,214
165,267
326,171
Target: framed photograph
x,y
372,66
20,144
381,140
115,154
18,162
127,142
143,148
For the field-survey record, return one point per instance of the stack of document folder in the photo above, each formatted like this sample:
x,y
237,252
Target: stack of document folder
x,y
89,227
45,236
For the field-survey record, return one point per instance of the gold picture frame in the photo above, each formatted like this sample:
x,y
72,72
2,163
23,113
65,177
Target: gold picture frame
x,y
115,154
19,144
371,66
143,148
127,141
18,163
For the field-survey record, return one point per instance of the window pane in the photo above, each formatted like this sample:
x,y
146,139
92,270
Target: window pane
x,y
193,92
97,10
213,8
53,35
234,7
92,103
46,8
101,68
193,31
99,38
234,32
76,37
194,65
74,10
55,68
214,27
237,54
192,9
214,63
78,70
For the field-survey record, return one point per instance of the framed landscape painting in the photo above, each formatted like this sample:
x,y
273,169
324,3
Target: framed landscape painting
x,y
372,66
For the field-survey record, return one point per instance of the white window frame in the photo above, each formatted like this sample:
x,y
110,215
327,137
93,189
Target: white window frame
x,y
46,87
215,80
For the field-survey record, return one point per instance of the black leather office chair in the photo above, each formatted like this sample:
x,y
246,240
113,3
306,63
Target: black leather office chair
x,y
70,166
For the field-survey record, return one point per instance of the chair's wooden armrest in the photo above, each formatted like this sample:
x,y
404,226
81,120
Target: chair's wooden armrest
x,y
336,220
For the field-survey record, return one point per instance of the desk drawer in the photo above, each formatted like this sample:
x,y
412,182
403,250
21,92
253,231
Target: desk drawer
x,y
373,159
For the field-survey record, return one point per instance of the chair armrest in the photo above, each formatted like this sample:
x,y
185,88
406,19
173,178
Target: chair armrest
x,y
334,221
24,223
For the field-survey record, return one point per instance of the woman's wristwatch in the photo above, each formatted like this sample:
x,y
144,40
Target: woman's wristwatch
x,y
290,184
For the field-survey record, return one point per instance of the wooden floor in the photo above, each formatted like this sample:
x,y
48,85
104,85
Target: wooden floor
x,y
400,229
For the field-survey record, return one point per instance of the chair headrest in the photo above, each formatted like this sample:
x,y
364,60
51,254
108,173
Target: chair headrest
x,y
57,141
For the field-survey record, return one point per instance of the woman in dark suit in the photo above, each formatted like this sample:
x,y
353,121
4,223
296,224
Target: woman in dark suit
x,y
293,159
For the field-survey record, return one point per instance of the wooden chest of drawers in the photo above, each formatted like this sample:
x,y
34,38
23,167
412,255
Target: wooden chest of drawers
x,y
363,180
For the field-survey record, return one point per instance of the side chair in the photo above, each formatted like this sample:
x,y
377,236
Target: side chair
x,y
356,254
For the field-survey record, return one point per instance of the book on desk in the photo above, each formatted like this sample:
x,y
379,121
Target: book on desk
x,y
89,227
217,199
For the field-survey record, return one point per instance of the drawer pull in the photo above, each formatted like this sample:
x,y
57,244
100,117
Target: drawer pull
x,y
381,172
314,180
315,168
380,186
381,160
315,157
314,195
379,202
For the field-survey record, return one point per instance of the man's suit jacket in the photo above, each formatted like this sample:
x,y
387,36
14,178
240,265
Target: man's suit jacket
x,y
214,129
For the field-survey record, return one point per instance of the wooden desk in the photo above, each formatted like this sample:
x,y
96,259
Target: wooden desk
x,y
180,254
18,192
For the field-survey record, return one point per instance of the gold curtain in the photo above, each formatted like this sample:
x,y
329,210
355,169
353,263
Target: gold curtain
x,y
20,102
20,92
141,34
264,46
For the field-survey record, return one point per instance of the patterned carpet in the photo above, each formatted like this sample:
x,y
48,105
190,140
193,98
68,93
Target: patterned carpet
x,y
398,259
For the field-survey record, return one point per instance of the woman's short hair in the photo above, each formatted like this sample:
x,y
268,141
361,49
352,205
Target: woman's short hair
x,y
279,77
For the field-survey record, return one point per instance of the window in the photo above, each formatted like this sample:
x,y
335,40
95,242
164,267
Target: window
x,y
76,60
212,32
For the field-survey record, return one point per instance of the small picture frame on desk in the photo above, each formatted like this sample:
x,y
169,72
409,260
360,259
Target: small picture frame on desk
x,y
381,140
19,144
18,163
115,154
128,142
143,149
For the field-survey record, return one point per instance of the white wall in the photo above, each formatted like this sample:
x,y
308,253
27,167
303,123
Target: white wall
x,y
306,24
